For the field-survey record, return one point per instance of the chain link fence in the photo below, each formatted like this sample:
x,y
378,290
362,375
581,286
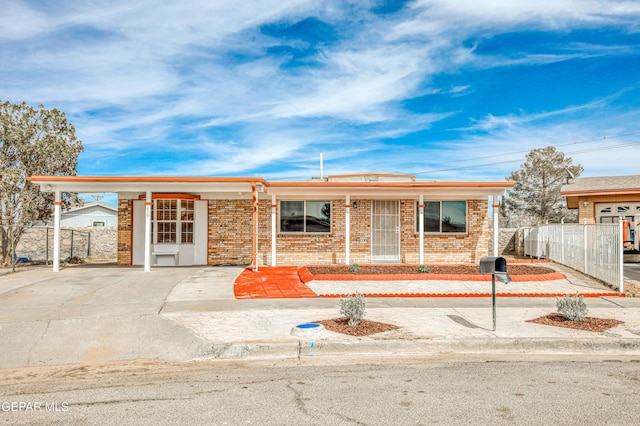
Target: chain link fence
x,y
76,244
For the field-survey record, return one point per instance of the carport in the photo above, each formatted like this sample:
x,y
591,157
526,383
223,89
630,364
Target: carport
x,y
153,187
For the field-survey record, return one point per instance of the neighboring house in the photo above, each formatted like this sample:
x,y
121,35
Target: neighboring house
x,y
604,199
90,214
345,219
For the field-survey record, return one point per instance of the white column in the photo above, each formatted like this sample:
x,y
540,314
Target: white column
x,y
274,229
421,228
147,232
621,257
57,204
496,210
347,231
254,190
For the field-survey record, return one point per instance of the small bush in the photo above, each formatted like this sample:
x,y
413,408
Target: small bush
x,y
353,308
423,269
354,267
572,307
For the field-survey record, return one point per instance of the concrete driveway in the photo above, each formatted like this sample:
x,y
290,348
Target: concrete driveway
x,y
91,313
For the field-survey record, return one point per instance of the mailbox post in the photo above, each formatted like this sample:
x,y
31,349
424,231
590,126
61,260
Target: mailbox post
x,y
497,267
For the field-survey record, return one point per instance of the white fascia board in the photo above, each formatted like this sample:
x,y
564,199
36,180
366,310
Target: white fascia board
x,y
451,193
141,187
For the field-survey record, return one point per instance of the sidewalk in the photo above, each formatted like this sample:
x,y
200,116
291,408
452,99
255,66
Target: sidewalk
x,y
262,327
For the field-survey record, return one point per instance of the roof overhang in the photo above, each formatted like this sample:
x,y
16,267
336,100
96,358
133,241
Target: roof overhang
x,y
394,189
85,184
440,190
573,197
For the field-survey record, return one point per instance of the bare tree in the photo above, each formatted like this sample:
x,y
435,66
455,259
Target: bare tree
x,y
535,197
33,142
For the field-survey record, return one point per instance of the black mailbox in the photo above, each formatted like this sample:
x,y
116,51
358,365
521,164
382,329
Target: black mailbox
x,y
496,266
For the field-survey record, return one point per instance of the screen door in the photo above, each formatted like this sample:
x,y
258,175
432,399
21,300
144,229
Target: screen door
x,y
385,231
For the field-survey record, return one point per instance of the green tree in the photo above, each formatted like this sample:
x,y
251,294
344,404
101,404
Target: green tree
x,y
535,197
33,142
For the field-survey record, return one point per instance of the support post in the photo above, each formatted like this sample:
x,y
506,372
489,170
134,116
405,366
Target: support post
x,y
347,231
147,232
57,204
562,241
274,230
421,228
621,256
254,191
496,209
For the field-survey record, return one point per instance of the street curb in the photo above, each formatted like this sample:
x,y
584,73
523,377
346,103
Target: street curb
x,y
328,348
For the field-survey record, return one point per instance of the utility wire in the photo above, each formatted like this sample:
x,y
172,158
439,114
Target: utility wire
x,y
523,152
602,148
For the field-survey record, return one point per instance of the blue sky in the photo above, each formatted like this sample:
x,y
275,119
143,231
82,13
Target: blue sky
x,y
444,89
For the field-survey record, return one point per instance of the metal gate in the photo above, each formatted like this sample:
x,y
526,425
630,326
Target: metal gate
x,y
385,231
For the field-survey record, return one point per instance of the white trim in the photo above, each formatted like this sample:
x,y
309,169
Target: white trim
x,y
421,228
147,232
347,231
495,225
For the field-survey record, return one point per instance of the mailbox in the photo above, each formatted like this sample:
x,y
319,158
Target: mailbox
x,y
496,266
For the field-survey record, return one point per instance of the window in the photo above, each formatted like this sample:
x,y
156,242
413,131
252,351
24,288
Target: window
x,y
171,227
443,217
610,213
305,216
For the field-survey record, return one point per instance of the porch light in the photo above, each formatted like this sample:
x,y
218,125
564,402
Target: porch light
x,y
355,204
585,203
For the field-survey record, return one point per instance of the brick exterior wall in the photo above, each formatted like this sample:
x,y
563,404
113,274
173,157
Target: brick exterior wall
x,y
125,232
309,249
230,239
230,236
443,248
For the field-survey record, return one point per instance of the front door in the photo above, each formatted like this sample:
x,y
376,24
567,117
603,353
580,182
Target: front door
x,y
385,231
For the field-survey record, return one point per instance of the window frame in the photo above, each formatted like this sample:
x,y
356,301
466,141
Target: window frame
x,y
440,231
178,221
304,214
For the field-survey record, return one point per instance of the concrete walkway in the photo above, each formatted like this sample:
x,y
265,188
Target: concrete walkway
x,y
263,327
104,313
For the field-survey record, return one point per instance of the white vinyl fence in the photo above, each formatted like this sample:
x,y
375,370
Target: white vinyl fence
x,y
594,249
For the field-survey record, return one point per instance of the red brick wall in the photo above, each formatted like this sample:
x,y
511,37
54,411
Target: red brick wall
x,y
125,232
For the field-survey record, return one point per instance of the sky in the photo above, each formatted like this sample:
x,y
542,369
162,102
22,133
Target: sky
x,y
443,89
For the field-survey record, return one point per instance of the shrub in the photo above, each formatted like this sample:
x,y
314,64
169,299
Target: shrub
x,y
353,308
572,307
423,269
354,267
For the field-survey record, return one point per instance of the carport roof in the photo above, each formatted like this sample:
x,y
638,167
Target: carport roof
x,y
244,184
144,183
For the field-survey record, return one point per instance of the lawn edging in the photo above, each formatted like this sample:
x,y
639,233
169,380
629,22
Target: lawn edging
x,y
306,276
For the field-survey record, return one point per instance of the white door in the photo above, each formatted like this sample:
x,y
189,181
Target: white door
x,y
385,231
